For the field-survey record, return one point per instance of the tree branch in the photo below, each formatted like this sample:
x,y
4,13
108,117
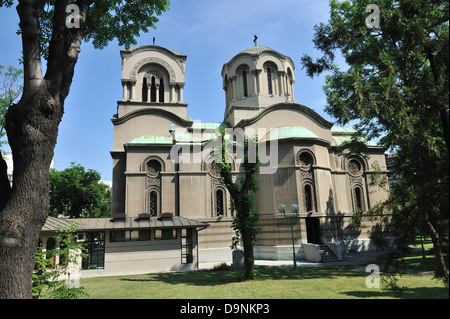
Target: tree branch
x,y
55,64
73,40
64,48
31,31
5,187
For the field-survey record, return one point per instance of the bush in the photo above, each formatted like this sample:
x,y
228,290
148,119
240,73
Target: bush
x,y
221,267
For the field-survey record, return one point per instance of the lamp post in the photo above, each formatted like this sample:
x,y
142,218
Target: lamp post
x,y
294,209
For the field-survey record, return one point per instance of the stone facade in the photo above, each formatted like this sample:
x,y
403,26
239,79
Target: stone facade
x,y
151,126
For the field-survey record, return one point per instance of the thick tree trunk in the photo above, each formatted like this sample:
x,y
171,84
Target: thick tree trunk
x,y
32,127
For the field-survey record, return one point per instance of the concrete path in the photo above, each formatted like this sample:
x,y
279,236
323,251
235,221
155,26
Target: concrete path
x,y
353,258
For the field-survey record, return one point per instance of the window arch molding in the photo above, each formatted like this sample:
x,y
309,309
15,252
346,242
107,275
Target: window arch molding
x,y
219,201
244,80
309,198
304,153
355,166
144,63
153,201
305,159
208,164
358,198
148,161
271,77
153,80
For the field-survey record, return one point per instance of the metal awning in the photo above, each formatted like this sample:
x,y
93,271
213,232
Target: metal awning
x,y
130,223
53,224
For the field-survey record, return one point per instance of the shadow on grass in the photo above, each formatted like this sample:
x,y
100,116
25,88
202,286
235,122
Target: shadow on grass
x,y
216,278
409,293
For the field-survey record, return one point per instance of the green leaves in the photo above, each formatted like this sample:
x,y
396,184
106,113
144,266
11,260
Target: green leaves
x,y
123,20
395,87
76,192
106,20
11,87
47,273
245,219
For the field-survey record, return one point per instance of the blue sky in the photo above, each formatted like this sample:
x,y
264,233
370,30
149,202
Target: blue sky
x,y
210,33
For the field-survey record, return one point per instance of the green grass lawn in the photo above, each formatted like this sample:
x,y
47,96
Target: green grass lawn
x,y
273,283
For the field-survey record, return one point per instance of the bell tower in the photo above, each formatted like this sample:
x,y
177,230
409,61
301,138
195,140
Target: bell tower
x,y
153,80
255,79
153,76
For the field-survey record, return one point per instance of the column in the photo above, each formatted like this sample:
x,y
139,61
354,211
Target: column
x,y
181,94
133,91
239,94
149,91
172,93
292,92
255,84
281,82
157,93
286,84
234,95
275,83
258,81
125,90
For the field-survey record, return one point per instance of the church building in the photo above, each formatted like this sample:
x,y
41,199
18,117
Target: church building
x,y
170,211
152,124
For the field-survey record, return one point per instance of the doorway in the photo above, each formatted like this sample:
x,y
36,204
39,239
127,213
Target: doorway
x,y
313,230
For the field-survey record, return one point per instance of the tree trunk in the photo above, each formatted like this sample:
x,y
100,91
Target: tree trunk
x,y
32,127
441,269
249,261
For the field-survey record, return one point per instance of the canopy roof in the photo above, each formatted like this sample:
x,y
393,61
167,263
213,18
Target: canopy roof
x,y
101,224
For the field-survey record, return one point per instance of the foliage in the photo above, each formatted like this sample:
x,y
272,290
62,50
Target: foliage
x,y
221,267
10,89
245,220
41,273
395,87
106,21
75,192
56,276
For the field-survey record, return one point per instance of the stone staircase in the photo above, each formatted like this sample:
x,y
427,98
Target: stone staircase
x,y
327,255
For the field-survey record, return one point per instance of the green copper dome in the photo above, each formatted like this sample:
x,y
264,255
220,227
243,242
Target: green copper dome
x,y
151,139
288,131
257,50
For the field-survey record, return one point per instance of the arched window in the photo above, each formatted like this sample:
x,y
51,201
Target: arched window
x,y
153,167
305,159
153,203
358,198
244,80
219,203
269,80
308,198
161,91
144,90
153,90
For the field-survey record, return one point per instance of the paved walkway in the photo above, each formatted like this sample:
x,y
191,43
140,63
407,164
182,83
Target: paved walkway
x,y
353,258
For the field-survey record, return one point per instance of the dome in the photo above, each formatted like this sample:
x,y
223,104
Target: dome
x,y
151,139
257,50
254,79
288,131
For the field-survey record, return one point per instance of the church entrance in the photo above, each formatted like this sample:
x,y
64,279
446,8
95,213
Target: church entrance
x,y
313,230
